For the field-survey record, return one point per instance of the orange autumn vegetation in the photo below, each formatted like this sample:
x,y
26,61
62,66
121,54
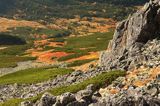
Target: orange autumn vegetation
x,y
92,55
47,56
132,78
10,23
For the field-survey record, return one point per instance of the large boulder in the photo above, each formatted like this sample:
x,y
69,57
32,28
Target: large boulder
x,y
130,36
47,99
66,98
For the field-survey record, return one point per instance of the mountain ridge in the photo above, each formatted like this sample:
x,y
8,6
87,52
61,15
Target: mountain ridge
x,y
46,9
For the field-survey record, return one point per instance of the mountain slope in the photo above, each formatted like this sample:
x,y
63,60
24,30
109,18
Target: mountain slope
x,y
136,38
46,9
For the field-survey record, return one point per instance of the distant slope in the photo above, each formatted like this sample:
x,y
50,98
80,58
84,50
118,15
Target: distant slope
x,y
119,2
46,9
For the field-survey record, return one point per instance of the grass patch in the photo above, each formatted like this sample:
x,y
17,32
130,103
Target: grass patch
x,y
27,32
98,81
79,62
12,102
98,41
13,54
48,48
91,43
33,75
15,49
57,40
11,61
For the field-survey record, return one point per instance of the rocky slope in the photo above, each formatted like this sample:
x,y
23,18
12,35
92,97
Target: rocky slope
x,y
135,47
140,87
125,50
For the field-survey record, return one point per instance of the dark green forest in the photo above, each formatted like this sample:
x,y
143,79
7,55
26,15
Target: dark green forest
x,y
11,40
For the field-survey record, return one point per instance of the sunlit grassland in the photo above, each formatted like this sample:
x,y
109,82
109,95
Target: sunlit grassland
x,y
33,75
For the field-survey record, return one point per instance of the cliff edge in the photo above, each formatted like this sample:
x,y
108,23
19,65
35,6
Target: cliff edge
x,y
126,49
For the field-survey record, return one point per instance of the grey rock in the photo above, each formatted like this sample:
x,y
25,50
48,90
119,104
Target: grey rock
x,y
26,103
142,102
77,103
154,102
76,73
152,91
99,104
67,98
91,87
159,96
47,100
57,104
85,95
71,79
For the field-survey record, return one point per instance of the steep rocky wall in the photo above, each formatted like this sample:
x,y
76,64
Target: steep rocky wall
x,y
124,50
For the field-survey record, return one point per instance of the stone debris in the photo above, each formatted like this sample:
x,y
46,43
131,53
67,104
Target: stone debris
x,y
30,90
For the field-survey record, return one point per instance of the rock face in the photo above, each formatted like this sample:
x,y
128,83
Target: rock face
x,y
130,36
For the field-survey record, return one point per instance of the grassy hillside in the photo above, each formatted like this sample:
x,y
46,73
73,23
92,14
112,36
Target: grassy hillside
x,y
46,9
98,81
119,2
11,61
95,42
30,76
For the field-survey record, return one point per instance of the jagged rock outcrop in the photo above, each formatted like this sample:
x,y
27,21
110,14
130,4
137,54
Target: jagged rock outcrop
x,y
124,51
